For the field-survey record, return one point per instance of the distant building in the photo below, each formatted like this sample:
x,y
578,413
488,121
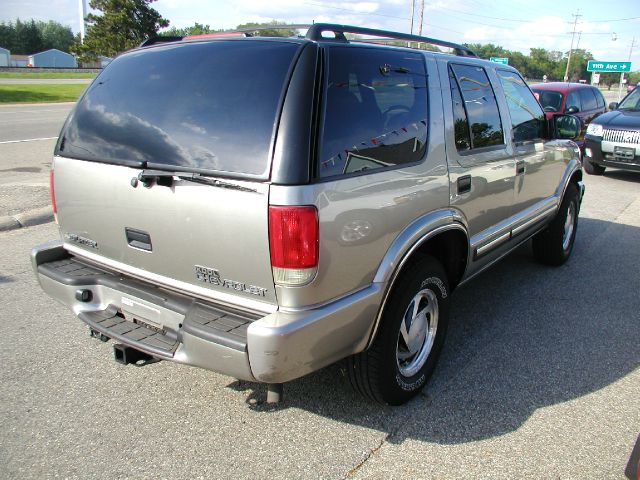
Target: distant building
x,y
19,60
5,57
53,59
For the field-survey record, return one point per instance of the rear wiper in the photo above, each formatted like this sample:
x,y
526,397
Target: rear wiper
x,y
165,178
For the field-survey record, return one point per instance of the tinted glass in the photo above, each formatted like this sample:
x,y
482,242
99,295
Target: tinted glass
x,y
599,98
527,118
631,101
461,123
376,110
550,101
573,100
588,99
208,106
480,104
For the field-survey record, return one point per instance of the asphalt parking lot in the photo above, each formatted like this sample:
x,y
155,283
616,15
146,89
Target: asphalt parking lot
x,y
539,378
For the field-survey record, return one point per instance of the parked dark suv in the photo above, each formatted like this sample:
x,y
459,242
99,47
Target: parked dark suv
x,y
613,139
584,101
264,207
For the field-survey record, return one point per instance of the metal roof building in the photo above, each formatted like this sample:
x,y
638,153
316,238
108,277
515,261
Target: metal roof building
x,y
5,57
53,58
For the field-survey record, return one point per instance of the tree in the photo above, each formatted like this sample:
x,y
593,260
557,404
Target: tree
x,y
56,35
7,36
124,24
25,38
195,29
276,32
28,39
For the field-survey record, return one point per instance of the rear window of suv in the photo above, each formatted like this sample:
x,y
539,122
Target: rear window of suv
x,y
198,106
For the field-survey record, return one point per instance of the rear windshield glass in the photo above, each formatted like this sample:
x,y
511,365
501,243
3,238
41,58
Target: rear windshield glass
x,y
203,106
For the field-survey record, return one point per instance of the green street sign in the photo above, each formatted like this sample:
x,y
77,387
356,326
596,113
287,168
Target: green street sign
x,y
598,66
502,60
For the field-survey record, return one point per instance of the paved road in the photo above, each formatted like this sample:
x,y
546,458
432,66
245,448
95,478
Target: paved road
x,y
540,378
27,137
25,122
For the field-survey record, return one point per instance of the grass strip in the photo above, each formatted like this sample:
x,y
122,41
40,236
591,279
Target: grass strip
x,y
47,75
37,93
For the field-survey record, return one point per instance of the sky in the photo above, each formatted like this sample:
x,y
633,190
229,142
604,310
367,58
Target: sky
x,y
604,29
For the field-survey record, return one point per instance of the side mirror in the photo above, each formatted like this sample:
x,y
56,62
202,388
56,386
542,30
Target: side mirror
x,y
613,105
573,109
566,127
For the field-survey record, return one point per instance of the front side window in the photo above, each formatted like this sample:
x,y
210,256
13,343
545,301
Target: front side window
x,y
550,101
480,108
375,111
527,118
573,100
631,102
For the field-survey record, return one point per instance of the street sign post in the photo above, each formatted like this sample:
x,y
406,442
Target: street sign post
x,y
618,67
502,60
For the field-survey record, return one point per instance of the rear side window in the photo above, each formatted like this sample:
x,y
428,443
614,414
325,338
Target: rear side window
x,y
208,106
476,117
588,98
375,110
527,118
599,98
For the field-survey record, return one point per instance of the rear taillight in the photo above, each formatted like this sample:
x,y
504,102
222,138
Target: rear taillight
x,y
293,241
53,196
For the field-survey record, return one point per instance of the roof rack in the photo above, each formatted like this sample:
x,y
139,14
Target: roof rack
x,y
315,31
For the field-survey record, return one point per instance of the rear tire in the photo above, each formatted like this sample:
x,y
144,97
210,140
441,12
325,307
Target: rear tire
x,y
592,168
409,339
554,244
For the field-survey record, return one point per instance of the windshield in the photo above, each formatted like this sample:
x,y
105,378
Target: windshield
x,y
631,101
208,106
550,101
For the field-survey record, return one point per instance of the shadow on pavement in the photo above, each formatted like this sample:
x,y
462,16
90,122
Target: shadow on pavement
x,y
522,336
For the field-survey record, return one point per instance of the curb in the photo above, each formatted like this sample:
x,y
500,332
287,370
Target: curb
x,y
26,219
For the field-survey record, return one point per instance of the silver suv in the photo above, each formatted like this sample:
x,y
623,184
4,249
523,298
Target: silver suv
x,y
265,207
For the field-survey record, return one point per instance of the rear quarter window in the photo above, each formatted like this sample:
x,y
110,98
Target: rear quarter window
x,y
375,112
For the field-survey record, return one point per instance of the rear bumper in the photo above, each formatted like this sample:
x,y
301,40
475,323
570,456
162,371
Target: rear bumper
x,y
273,348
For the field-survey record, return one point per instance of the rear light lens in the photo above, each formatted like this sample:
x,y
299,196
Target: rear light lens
x,y
53,196
293,241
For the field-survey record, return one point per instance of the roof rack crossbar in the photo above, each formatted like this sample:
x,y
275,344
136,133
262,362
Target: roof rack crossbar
x,y
317,29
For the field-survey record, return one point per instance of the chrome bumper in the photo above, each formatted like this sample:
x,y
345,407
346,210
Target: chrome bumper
x,y
275,348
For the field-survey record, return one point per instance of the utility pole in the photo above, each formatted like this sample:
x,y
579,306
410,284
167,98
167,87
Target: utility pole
x,y
421,17
82,10
573,34
413,11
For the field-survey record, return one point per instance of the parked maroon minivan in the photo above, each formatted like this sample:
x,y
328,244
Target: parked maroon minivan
x,y
584,101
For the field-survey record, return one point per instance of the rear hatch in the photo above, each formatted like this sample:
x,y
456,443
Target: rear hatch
x,y
161,169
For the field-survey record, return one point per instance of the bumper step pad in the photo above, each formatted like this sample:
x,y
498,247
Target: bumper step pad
x,y
111,324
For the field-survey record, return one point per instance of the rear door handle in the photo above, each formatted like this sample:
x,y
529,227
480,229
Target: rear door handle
x,y
464,184
138,239
520,167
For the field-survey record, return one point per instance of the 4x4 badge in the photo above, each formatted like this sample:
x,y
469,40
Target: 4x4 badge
x,y
212,275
